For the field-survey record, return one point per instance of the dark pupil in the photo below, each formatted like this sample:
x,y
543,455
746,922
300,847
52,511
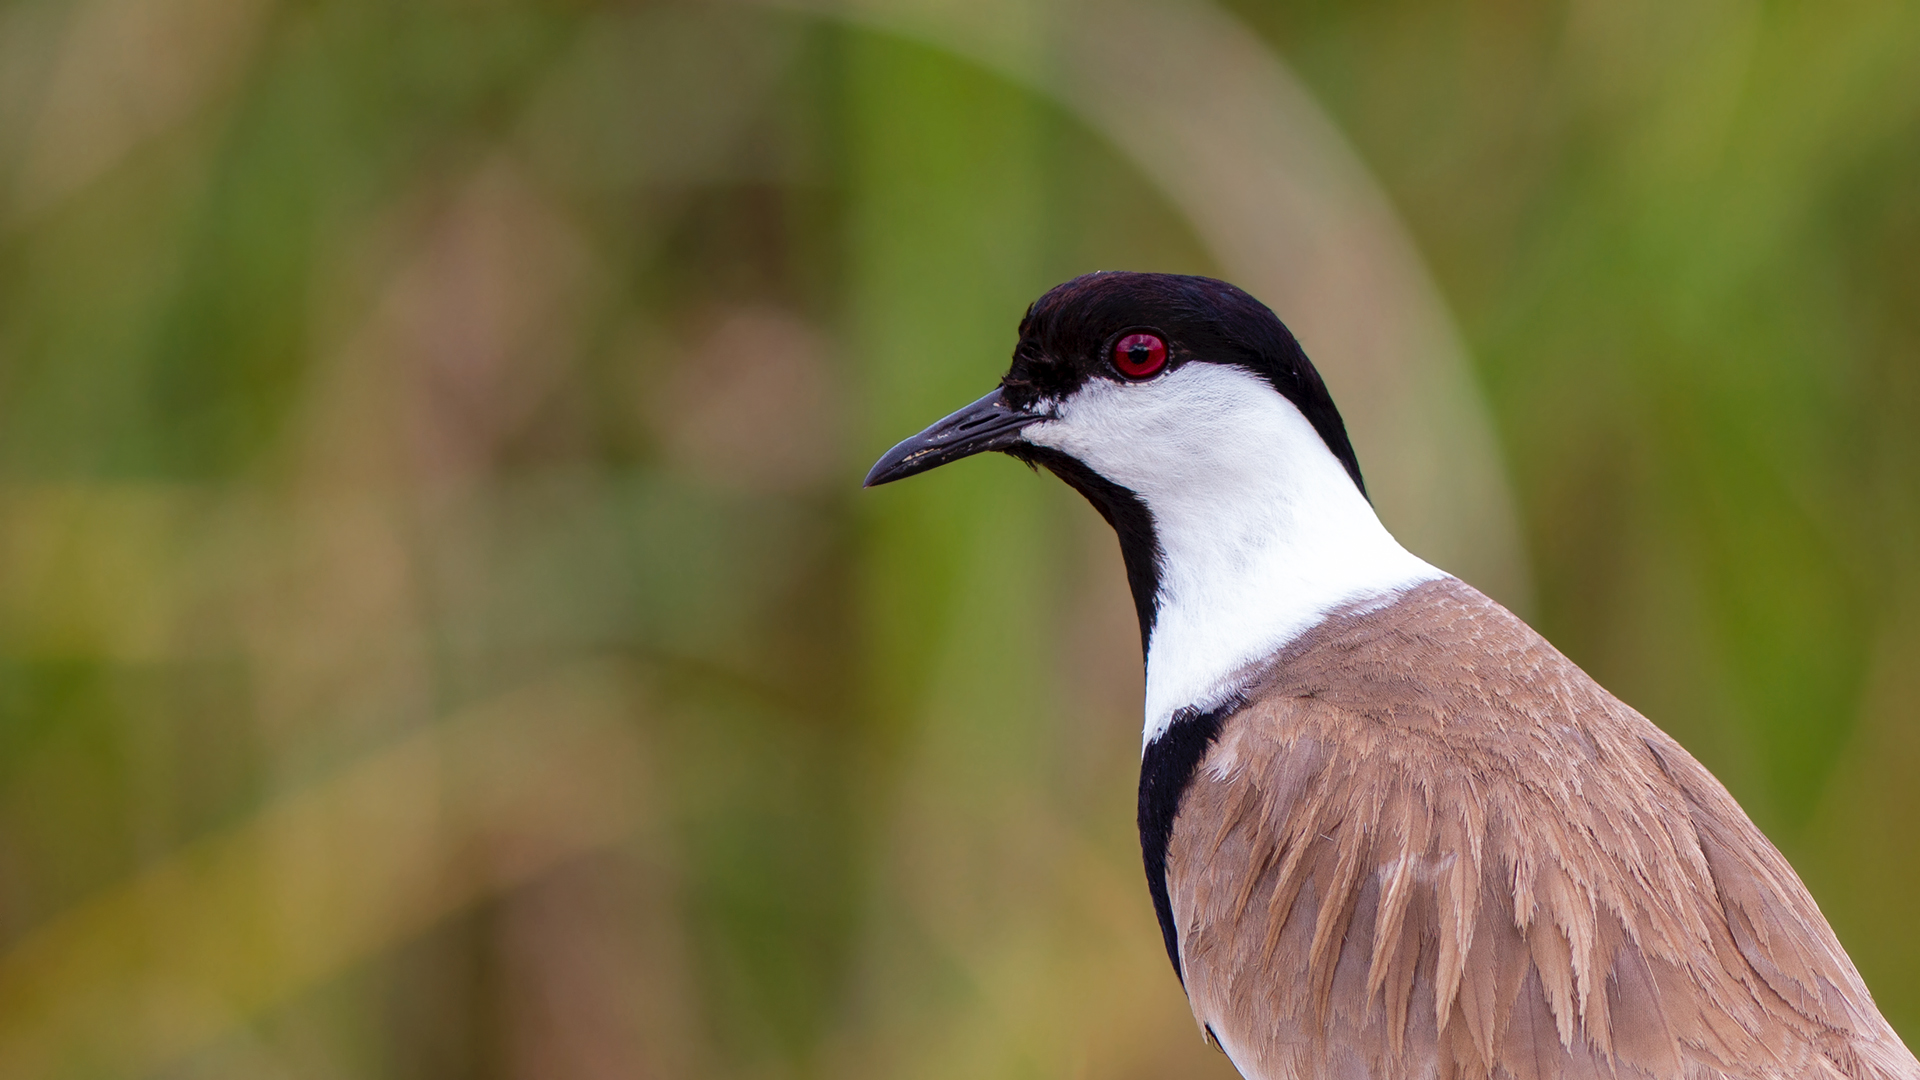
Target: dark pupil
x,y
1138,354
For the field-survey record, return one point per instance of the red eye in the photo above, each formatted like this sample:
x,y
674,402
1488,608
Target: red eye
x,y
1139,356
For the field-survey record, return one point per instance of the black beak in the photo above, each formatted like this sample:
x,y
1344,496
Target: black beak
x,y
987,424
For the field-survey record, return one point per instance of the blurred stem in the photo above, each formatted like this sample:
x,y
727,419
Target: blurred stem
x,y
945,236
947,252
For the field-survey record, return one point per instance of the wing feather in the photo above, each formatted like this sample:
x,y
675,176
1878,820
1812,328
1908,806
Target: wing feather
x,y
1430,846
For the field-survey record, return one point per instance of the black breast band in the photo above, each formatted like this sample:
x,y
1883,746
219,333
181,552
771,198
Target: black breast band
x,y
1166,771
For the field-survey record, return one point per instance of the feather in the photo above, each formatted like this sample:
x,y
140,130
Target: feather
x,y
1429,845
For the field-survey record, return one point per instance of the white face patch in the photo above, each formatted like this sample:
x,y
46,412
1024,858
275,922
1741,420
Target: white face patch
x,y
1262,531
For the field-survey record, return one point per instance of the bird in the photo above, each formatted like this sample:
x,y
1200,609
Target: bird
x,y
1388,829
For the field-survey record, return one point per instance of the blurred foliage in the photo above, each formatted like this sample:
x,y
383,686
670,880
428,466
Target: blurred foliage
x,y
441,633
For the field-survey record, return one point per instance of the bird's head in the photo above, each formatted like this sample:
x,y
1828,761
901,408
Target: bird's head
x,y
1186,412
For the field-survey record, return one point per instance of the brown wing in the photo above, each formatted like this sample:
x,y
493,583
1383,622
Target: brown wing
x,y
1399,862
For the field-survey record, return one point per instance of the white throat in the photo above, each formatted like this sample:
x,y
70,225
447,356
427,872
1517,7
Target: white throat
x,y
1262,532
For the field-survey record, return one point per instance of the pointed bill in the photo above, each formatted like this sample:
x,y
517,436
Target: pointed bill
x,y
988,424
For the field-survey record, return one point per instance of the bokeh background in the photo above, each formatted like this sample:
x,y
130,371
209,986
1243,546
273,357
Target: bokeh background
x,y
441,632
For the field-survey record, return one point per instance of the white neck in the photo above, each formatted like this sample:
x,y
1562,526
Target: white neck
x,y
1262,532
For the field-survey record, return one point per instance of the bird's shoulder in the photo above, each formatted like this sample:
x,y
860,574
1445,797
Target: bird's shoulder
x,y
1428,841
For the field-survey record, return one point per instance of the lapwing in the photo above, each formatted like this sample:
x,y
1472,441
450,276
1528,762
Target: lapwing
x,y
1388,829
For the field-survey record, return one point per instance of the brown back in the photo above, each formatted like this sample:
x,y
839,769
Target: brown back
x,y
1432,846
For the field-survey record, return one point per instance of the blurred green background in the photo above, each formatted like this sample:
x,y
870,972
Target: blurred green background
x,y
441,632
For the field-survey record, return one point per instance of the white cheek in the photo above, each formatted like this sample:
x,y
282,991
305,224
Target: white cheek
x,y
1204,431
1261,530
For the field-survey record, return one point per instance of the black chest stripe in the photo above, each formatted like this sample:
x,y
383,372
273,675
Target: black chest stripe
x,y
1166,770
